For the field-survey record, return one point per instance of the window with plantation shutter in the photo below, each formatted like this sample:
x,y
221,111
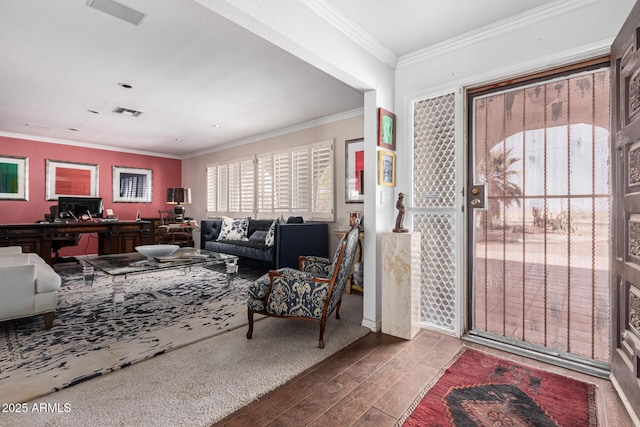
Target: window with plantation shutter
x,y
297,181
281,182
231,187
322,180
301,182
265,184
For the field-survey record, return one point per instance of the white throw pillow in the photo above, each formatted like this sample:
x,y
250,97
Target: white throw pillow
x,y
233,228
271,233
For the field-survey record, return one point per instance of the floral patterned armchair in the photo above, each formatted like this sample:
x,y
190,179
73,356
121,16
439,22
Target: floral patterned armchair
x,y
311,292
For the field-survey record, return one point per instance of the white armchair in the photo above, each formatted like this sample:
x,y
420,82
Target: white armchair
x,y
28,286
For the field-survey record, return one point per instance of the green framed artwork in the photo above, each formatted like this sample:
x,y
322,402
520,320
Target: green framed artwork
x,y
14,177
386,129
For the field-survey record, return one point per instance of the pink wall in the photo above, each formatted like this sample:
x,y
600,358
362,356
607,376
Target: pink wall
x,y
166,173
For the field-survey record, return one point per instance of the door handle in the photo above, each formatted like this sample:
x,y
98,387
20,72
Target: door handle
x,y
477,197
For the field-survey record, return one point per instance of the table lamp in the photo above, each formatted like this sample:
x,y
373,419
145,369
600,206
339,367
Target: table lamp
x,y
179,197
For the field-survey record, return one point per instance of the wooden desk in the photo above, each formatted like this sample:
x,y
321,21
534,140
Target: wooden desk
x,y
114,237
351,287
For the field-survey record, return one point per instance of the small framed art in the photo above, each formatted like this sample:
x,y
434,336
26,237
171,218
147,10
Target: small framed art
x,y
386,168
71,179
132,185
386,129
14,177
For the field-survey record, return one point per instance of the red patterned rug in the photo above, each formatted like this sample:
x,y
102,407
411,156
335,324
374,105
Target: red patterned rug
x,y
478,389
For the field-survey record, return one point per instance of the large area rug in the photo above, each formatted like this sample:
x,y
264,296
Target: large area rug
x,y
201,383
164,310
478,389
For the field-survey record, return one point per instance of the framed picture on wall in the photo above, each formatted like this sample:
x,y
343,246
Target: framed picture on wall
x,y
71,179
132,185
386,129
14,178
354,171
386,168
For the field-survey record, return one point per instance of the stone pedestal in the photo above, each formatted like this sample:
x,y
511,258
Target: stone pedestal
x,y
401,284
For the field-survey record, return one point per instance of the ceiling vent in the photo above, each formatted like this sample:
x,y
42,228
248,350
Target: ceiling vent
x,y
119,11
127,111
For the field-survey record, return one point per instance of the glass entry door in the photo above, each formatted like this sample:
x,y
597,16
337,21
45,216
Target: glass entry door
x,y
538,215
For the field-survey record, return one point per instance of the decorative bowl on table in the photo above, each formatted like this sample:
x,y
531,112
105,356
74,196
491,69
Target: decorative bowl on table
x,y
154,251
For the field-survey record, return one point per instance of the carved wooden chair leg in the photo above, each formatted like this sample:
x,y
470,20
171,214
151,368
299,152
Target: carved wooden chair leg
x,y
48,319
250,331
338,309
323,323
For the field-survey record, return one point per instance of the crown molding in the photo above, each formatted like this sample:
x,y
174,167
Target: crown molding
x,y
496,29
302,126
284,131
83,144
352,30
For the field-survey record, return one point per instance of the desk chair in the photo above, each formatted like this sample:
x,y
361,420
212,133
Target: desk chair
x,y
173,231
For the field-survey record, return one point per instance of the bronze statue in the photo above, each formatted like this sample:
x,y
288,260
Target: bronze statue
x,y
400,218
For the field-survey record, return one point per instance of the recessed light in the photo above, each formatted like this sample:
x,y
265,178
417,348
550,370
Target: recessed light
x,y
125,85
94,111
217,126
179,139
73,129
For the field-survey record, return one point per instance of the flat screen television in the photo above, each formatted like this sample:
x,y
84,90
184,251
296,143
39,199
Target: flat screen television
x,y
79,206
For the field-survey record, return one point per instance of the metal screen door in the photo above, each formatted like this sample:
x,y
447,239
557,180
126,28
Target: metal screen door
x,y
538,215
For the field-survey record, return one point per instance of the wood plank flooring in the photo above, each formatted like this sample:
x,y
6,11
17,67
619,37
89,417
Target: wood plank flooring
x,y
373,381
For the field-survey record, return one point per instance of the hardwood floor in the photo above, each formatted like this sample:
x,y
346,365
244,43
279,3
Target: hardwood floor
x,y
373,381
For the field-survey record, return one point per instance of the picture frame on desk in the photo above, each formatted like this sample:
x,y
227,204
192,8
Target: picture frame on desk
x,y
71,179
132,185
14,178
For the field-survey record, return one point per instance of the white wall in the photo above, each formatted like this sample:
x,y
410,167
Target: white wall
x,y
581,30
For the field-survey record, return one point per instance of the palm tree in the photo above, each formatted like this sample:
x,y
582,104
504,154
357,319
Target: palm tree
x,y
498,175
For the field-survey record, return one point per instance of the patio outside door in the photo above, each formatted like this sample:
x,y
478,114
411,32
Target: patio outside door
x,y
538,215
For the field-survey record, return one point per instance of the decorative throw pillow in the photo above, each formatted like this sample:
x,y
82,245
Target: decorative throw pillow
x,y
233,228
270,239
258,236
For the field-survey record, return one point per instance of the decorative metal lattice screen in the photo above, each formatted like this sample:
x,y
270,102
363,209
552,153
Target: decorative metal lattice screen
x,y
433,206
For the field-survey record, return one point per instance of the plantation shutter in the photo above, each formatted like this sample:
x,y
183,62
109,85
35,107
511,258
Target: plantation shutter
x,y
265,184
231,188
301,188
223,188
281,182
247,186
297,181
322,181
212,189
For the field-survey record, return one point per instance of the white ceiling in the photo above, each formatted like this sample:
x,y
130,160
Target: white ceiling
x,y
190,69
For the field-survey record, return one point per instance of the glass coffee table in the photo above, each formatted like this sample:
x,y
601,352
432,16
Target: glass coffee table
x,y
121,266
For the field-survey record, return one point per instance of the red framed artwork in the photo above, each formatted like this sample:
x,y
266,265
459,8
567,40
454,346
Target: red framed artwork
x,y
71,179
354,171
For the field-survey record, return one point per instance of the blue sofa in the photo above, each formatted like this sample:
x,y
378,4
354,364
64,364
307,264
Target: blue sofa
x,y
291,241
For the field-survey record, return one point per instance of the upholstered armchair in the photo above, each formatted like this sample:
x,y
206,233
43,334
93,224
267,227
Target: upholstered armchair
x,y
311,292
28,286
